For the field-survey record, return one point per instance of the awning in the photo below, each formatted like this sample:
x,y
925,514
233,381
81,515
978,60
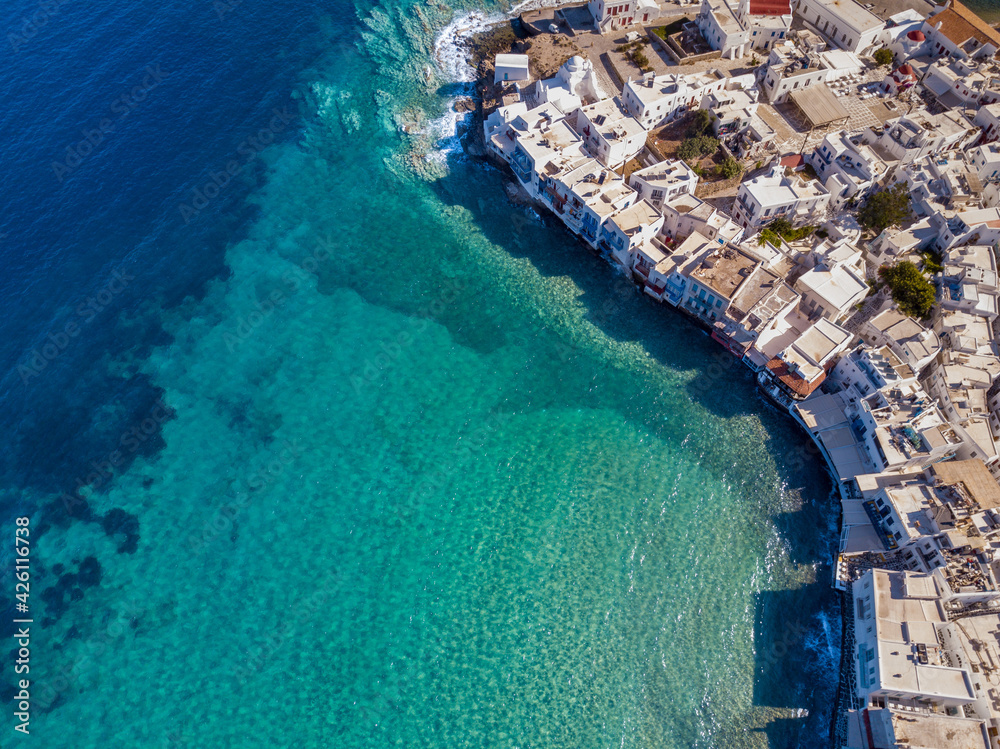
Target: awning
x,y
819,105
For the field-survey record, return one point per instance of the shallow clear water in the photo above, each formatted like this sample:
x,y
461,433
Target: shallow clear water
x,y
430,473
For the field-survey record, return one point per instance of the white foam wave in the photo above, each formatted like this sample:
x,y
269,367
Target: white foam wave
x,y
526,5
451,47
825,643
443,133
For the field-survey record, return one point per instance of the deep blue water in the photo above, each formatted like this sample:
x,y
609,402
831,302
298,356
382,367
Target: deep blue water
x,y
76,215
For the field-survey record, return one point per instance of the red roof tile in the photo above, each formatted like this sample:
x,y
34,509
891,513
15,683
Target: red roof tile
x,y
959,24
770,8
794,382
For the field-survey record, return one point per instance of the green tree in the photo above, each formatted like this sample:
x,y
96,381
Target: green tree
x,y
696,147
883,56
730,168
886,208
910,290
781,225
701,123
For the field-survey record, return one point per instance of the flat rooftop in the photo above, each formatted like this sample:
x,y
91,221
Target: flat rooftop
x,y
974,476
852,14
724,270
893,727
636,217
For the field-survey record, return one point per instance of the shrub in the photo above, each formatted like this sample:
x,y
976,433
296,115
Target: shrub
x,y
730,168
883,56
781,225
932,261
700,124
696,147
886,208
910,290
781,228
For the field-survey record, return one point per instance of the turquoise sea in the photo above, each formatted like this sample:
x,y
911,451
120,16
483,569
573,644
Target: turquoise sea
x,y
360,454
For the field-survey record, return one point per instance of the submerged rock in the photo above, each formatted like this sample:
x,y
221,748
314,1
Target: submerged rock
x,y
90,572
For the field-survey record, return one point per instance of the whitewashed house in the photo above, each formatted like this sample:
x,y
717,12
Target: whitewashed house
x,y
611,135
763,199
847,24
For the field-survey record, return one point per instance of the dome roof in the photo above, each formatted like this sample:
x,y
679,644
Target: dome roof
x,y
574,63
915,36
905,69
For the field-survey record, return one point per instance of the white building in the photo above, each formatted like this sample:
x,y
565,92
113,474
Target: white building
x,y
988,118
713,283
849,170
844,22
630,227
790,69
940,182
957,83
663,182
801,367
611,135
537,149
956,31
655,100
906,725
914,344
763,199
833,287
511,68
766,21
721,29
732,110
573,86
985,160
911,659
686,214
586,196
615,15
976,226
919,133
